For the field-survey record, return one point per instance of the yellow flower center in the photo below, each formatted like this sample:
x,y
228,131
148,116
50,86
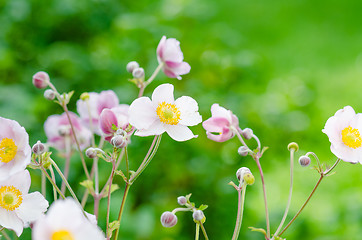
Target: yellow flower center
x,y
62,235
7,150
168,113
351,137
10,198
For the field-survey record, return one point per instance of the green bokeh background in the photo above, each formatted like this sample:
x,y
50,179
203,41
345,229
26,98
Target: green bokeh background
x,y
283,67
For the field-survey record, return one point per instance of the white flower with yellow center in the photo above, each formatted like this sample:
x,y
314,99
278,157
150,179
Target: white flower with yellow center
x,y
18,207
344,131
164,114
65,221
15,150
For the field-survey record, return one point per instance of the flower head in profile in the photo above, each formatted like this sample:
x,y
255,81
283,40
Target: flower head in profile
x,y
15,151
90,110
59,132
65,220
164,114
18,208
170,55
344,132
112,119
219,126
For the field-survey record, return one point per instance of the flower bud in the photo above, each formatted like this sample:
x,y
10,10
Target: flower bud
x,y
132,66
247,133
198,215
91,152
243,151
84,96
249,178
304,161
118,141
49,94
41,80
38,148
168,219
138,73
182,200
241,172
293,145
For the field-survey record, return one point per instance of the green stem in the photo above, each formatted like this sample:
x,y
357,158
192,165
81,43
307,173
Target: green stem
x,y
239,219
52,182
197,234
53,178
109,196
125,194
204,230
43,184
5,234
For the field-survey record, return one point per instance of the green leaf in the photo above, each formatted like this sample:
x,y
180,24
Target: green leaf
x,y
114,187
113,226
88,184
261,230
203,207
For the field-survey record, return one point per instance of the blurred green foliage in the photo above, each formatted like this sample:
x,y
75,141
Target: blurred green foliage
x,y
283,67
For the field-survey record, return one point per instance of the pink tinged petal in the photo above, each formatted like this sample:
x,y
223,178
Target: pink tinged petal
x,y
172,51
179,133
161,47
215,124
157,128
181,69
141,113
163,93
82,106
32,207
218,111
10,220
106,120
107,99
188,108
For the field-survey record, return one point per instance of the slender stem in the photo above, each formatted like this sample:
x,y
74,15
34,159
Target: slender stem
x,y
239,219
265,197
5,234
146,83
334,165
127,162
181,210
53,178
316,158
43,184
239,136
149,150
306,202
197,234
109,178
121,208
52,182
290,192
257,141
109,196
204,231
67,162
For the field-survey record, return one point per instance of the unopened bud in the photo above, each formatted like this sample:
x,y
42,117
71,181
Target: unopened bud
x,y
304,161
198,215
38,148
182,200
41,80
293,145
243,151
49,94
168,219
121,132
247,133
64,130
118,141
138,73
91,152
241,172
132,66
84,96
249,178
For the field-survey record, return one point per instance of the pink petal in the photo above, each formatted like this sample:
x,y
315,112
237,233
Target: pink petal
x,y
172,51
215,124
107,99
106,120
161,47
218,111
179,132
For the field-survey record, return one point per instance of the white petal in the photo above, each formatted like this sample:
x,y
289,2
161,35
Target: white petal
x,y
218,111
157,128
142,113
189,111
179,132
88,231
163,93
8,219
32,207
19,180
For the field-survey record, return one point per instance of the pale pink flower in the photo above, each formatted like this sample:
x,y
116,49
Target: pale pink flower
x,y
164,114
15,151
18,208
65,220
344,132
96,103
115,117
58,131
169,53
41,80
222,124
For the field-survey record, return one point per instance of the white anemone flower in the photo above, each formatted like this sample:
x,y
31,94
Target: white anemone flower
x,y
65,220
17,207
344,132
164,114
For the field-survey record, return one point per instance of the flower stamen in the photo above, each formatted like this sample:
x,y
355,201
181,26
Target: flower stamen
x,y
168,113
8,150
351,137
62,235
10,198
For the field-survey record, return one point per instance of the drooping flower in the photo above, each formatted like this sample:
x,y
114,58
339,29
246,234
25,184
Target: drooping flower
x,y
112,119
344,132
164,114
219,126
92,110
15,151
59,133
169,53
65,220
18,207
